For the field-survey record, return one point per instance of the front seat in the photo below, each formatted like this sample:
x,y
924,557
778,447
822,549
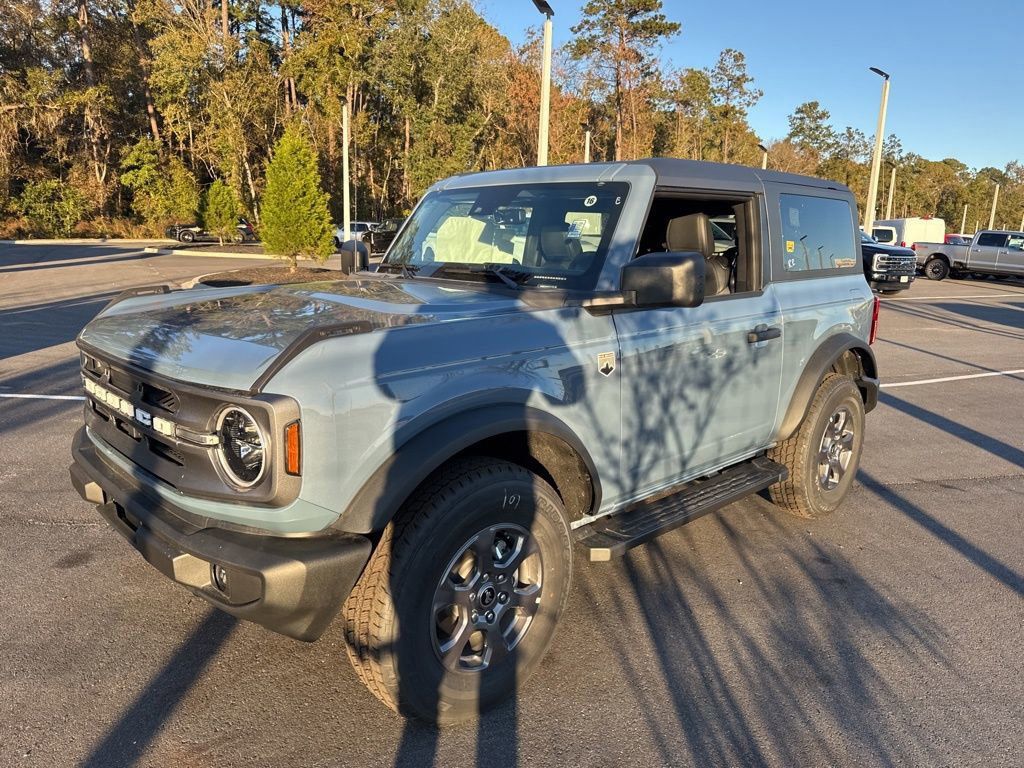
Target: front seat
x,y
559,251
693,233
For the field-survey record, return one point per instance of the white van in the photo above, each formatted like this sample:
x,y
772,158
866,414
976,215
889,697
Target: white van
x,y
924,229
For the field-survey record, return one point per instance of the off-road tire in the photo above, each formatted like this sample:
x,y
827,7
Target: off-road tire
x,y
936,269
397,589
802,493
187,236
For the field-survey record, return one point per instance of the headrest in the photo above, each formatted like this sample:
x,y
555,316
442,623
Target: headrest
x,y
691,233
556,247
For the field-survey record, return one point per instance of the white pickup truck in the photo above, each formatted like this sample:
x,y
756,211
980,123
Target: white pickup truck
x,y
990,252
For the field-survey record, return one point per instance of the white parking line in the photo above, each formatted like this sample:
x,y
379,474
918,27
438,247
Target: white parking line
x,y
42,397
952,378
952,297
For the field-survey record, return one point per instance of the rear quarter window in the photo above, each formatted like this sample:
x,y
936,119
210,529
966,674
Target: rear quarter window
x,y
817,234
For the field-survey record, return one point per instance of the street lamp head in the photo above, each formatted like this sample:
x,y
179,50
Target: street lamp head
x,y
762,147
544,7
879,72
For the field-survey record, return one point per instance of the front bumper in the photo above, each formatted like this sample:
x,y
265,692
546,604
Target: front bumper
x,y
881,281
291,585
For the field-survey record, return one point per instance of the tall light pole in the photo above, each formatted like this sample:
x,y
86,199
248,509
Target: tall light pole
x,y
992,215
545,84
876,160
586,146
963,221
892,189
764,156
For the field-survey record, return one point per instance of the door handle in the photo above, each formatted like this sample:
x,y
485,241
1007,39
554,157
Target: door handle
x,y
763,333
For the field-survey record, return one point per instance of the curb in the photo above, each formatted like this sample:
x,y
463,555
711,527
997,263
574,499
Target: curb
x,y
212,254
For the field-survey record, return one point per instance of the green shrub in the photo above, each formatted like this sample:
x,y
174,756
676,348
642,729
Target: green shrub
x,y
296,221
52,208
219,211
163,189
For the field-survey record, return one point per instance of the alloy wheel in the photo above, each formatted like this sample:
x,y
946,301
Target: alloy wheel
x,y
487,598
836,449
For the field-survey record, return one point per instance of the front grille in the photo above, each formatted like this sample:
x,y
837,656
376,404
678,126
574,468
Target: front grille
x,y
899,265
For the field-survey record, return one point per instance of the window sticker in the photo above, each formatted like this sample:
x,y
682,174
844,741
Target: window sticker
x,y
794,217
591,201
790,246
576,229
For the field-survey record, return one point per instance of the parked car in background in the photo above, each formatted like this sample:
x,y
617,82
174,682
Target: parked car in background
x,y
358,230
916,229
888,268
194,233
957,239
989,252
383,234
884,235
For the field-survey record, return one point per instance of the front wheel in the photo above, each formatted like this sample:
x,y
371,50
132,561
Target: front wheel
x,y
936,269
460,600
823,455
187,236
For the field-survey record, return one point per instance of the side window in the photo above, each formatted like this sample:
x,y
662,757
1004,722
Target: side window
x,y
1016,243
817,233
724,228
991,240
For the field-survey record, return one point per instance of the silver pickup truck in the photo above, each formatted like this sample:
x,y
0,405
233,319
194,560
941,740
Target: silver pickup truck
x,y
990,252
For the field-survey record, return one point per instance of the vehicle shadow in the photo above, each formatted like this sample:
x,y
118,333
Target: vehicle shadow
x,y
950,319
992,445
47,324
127,740
108,256
945,534
744,688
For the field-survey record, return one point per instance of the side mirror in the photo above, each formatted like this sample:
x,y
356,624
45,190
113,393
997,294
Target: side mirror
x,y
665,279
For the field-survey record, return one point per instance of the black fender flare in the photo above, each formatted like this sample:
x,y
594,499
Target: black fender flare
x,y
819,364
417,457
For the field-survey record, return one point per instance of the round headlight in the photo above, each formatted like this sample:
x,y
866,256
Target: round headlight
x,y
242,447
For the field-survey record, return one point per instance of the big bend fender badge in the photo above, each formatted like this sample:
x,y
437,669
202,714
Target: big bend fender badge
x,y
606,363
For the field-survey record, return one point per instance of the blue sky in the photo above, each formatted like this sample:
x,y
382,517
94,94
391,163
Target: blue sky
x,y
957,67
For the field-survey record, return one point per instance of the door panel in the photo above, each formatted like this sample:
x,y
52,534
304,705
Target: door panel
x,y
1011,258
696,395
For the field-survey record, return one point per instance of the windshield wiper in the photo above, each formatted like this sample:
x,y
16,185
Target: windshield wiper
x,y
405,270
513,278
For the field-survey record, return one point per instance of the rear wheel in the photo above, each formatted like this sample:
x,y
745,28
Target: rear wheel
x,y
187,236
936,269
823,456
460,600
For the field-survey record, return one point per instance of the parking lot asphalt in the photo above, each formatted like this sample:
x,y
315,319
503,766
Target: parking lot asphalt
x,y
887,634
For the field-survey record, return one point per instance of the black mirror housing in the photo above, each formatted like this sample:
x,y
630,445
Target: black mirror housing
x,y
674,279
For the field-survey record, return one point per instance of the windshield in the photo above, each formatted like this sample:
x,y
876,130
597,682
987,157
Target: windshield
x,y
553,234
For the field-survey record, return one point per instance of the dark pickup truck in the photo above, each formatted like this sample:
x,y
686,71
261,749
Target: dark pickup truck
x,y
888,268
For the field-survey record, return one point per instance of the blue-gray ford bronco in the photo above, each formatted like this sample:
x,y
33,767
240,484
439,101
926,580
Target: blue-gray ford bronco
x,y
549,363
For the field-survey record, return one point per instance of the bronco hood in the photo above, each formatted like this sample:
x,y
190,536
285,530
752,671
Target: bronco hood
x,y
227,337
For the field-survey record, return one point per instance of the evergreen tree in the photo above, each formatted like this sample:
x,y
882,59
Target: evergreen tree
x,y
620,38
296,221
220,211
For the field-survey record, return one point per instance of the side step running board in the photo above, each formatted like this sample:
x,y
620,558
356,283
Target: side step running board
x,y
612,536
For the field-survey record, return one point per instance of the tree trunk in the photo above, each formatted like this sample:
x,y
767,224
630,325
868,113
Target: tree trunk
x,y
224,28
406,190
91,124
147,93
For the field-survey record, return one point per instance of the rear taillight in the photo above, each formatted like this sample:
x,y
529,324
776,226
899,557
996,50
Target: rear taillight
x,y
903,243
913,246
874,320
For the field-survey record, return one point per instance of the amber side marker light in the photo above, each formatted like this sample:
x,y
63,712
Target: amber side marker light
x,y
293,449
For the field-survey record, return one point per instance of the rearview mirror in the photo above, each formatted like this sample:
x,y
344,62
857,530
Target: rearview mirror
x,y
665,279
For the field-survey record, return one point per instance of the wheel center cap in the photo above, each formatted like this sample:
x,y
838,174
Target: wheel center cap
x,y
487,597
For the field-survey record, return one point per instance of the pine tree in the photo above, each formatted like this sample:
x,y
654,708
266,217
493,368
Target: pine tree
x,y
296,221
220,211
